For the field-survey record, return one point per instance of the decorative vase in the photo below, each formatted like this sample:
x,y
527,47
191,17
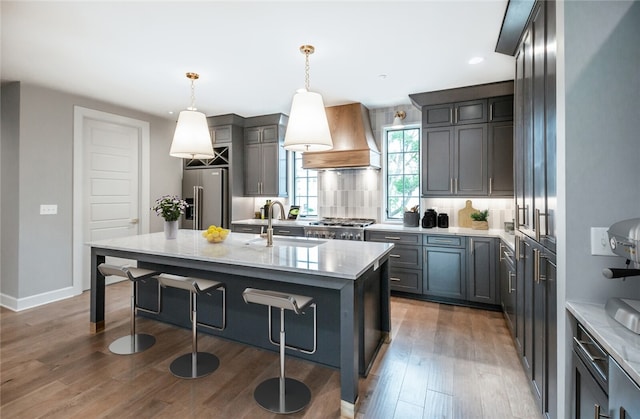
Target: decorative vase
x,y
411,219
480,225
170,229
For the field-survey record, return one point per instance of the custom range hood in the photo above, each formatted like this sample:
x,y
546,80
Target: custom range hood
x,y
353,144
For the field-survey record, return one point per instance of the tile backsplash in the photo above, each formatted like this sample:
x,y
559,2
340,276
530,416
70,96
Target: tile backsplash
x,y
349,193
500,209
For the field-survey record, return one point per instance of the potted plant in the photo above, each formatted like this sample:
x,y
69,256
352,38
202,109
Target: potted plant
x,y
170,207
480,220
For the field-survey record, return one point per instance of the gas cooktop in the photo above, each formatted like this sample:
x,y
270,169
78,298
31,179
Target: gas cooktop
x,y
343,222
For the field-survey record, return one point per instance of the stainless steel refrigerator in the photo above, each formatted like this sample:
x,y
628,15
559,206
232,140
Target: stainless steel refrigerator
x,y
206,192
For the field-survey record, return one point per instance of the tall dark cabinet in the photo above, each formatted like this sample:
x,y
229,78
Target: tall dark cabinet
x,y
535,195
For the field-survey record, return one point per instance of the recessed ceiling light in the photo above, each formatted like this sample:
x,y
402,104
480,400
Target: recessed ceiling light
x,y
170,112
476,60
382,76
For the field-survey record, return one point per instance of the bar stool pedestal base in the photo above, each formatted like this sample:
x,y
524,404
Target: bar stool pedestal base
x,y
132,344
183,366
296,396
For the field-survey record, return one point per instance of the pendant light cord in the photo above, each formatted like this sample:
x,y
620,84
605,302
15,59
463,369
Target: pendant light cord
x,y
306,70
193,97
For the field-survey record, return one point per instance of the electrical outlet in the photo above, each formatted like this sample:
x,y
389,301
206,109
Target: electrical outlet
x,y
48,209
600,242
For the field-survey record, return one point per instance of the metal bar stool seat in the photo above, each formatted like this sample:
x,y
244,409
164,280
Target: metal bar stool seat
x,y
195,364
281,394
134,342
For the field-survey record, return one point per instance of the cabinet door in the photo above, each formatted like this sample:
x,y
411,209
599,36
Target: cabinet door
x,y
548,272
501,108
269,169
437,115
518,139
444,272
521,268
587,393
406,280
526,257
471,112
252,168
471,160
252,135
624,394
269,134
482,283
437,161
221,134
501,159
527,208
409,257
508,288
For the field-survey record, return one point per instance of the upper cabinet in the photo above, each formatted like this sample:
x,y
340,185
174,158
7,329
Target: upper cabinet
x,y
535,130
467,145
265,159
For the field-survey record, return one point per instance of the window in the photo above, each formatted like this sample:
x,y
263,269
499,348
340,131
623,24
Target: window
x,y
402,182
305,188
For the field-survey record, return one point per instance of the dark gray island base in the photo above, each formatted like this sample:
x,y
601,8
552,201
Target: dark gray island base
x,y
353,317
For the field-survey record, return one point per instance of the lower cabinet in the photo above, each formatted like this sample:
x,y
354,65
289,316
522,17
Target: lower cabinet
x,y
278,230
624,394
405,260
444,272
508,289
482,278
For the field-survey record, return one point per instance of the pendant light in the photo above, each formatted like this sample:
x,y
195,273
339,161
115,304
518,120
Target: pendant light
x,y
307,129
192,139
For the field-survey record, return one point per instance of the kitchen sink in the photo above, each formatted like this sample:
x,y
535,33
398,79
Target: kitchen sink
x,y
286,241
626,312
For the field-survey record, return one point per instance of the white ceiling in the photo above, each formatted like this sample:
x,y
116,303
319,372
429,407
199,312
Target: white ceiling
x,y
136,54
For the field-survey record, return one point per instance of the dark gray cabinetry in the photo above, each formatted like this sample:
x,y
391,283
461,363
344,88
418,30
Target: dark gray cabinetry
x,y
590,383
444,267
266,160
278,230
454,161
539,319
508,289
535,128
295,231
405,260
247,228
624,394
482,283
469,112
501,108
500,165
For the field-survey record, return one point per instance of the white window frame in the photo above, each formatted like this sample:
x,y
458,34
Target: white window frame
x,y
294,195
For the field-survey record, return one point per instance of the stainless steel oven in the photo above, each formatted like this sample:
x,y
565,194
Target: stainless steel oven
x,y
338,228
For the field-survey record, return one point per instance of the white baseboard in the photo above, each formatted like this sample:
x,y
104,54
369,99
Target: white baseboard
x,y
19,304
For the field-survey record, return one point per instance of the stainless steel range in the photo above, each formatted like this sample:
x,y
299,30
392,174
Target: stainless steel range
x,y
338,228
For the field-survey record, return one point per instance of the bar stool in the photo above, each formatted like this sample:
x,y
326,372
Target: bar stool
x,y
282,394
195,364
134,342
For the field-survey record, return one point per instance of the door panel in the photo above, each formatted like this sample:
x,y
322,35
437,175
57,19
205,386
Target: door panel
x,y
437,161
471,170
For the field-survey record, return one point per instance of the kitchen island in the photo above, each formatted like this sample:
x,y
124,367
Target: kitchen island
x,y
349,282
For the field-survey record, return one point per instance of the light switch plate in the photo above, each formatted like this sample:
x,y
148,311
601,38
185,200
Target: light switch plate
x,y
51,209
600,242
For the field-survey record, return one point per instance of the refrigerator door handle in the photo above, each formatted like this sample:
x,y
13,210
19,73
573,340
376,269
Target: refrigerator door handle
x,y
197,210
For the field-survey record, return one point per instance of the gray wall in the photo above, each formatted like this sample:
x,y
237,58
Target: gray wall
x,y
602,143
598,153
37,250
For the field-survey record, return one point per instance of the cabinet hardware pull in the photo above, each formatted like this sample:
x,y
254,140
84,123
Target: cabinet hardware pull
x,y
284,231
511,275
536,226
491,112
247,229
471,245
581,344
599,415
517,220
391,278
455,183
536,265
501,251
451,184
451,114
392,238
456,115
517,244
490,186
623,413
394,256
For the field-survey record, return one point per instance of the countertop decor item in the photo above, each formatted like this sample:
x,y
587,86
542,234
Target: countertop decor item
x,y
464,215
479,220
411,219
170,207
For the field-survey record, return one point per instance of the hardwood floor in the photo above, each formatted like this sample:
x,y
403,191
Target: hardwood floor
x,y
443,362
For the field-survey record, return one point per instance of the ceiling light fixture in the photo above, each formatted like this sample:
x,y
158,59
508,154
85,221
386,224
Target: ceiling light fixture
x,y
476,60
192,139
398,118
307,129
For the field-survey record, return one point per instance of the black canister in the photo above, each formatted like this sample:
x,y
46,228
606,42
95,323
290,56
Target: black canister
x,y
430,218
443,220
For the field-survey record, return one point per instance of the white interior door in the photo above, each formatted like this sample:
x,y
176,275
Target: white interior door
x,y
110,184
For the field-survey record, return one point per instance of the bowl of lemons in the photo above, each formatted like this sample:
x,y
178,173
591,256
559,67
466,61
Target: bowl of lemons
x,y
215,234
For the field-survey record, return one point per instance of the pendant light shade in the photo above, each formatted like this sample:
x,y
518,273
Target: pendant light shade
x,y
307,129
191,139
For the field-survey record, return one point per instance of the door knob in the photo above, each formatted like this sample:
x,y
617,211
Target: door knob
x,y
133,221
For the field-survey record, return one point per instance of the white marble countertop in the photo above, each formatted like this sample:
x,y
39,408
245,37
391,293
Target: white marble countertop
x,y
275,222
621,343
334,258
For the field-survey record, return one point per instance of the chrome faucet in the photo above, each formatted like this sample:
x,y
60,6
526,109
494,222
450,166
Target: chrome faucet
x,y
269,222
